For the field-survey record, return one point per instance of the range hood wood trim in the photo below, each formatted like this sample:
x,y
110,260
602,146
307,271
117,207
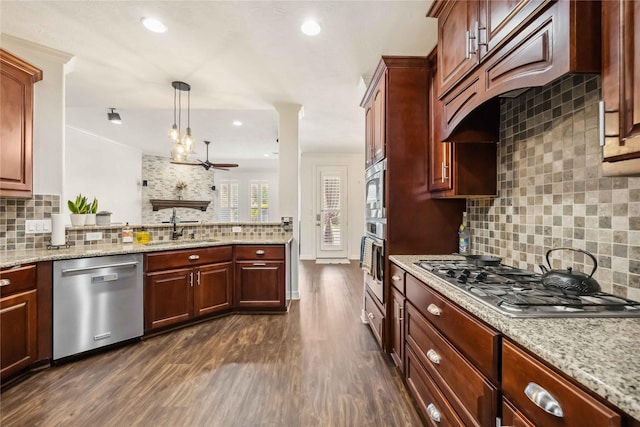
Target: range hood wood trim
x,y
191,204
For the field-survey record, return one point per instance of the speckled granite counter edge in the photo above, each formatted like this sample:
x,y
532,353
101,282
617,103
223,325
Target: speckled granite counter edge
x,y
17,257
599,353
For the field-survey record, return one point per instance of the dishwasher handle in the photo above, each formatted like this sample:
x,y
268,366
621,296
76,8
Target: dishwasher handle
x,y
95,267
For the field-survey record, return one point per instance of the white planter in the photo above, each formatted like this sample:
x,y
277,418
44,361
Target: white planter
x,y
78,220
103,219
90,219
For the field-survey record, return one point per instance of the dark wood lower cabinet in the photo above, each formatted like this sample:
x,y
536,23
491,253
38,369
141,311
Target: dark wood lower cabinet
x,y
168,297
260,284
18,332
213,291
396,341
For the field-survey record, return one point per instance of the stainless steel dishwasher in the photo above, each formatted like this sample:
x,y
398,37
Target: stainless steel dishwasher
x,y
96,302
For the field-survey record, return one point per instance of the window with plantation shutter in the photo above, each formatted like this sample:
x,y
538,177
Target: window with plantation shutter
x,y
228,201
259,201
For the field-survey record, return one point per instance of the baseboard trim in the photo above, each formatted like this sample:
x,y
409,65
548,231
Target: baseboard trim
x,y
332,261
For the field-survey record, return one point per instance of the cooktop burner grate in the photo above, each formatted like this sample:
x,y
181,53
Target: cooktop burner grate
x,y
520,293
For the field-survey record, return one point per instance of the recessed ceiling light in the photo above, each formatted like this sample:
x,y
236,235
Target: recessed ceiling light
x,y
154,25
237,123
310,28
266,155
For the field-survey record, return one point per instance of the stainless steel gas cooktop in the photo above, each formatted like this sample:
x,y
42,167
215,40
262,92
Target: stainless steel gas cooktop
x,y
520,293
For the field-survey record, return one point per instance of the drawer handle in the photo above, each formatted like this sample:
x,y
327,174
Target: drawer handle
x,y
194,257
259,252
434,309
433,412
543,399
371,316
5,282
433,356
395,278
400,314
259,264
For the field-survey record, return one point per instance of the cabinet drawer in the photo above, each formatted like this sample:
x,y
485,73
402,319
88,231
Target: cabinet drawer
x,y
522,375
397,277
187,258
477,342
18,279
259,252
472,396
429,398
512,417
374,317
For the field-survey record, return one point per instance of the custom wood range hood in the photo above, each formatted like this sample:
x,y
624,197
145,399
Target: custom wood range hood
x,y
489,49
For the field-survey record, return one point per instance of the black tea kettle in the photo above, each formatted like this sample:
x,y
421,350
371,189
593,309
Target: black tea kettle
x,y
569,280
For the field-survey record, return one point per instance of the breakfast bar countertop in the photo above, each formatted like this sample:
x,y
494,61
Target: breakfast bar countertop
x,y
599,353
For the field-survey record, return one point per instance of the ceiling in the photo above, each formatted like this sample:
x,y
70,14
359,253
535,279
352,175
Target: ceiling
x,y
240,57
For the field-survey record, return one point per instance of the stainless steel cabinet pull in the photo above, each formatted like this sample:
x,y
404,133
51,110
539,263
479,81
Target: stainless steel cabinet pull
x,y
194,257
400,314
198,281
433,412
434,309
259,252
499,422
191,279
371,316
433,356
468,42
95,267
395,278
543,399
5,282
601,122
259,264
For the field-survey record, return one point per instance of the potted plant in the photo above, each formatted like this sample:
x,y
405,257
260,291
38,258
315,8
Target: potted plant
x,y
103,218
91,212
78,208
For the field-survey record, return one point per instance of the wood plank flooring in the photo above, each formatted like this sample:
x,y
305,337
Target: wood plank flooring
x,y
318,365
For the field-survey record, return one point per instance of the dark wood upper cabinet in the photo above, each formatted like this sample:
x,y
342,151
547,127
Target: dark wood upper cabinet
x,y
375,124
621,86
17,78
519,44
457,170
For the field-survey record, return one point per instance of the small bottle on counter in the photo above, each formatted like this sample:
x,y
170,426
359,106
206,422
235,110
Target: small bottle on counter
x,y
127,234
143,236
464,237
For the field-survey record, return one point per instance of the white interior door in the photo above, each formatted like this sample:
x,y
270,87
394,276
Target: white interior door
x,y
331,216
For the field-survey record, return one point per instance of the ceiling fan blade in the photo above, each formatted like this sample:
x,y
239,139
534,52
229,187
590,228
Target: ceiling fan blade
x,y
224,165
220,169
185,163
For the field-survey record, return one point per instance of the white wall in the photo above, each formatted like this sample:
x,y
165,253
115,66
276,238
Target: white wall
x,y
105,169
48,112
355,200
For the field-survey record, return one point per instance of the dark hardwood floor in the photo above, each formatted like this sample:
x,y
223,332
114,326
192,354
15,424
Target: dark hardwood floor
x,y
318,365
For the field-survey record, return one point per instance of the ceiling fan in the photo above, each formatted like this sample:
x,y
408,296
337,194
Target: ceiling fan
x,y
207,164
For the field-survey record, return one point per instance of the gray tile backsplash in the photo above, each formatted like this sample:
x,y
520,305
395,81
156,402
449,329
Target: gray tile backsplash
x,y
551,192
13,214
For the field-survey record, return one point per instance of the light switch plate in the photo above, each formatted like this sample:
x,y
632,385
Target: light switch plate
x,y
96,235
33,226
236,229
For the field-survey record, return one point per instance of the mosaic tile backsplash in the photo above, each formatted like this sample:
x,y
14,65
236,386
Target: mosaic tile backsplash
x,y
162,176
13,214
551,192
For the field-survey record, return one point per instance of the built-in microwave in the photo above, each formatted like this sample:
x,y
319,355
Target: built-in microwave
x,y
375,204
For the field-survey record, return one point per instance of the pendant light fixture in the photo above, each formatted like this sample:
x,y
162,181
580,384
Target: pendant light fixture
x,y
114,117
182,145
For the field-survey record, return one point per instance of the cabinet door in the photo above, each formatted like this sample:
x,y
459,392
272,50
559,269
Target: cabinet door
x,y
457,29
621,79
16,125
397,328
168,297
259,284
499,18
212,291
439,152
378,106
368,149
18,334
512,417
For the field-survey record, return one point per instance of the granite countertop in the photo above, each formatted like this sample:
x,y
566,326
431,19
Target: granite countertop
x,y
599,353
17,257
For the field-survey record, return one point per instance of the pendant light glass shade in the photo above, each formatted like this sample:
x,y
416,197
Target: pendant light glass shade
x,y
182,145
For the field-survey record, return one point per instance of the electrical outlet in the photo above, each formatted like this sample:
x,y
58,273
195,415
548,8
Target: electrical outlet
x,y
236,229
96,235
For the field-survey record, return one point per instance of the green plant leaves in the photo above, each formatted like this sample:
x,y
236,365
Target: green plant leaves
x,y
80,205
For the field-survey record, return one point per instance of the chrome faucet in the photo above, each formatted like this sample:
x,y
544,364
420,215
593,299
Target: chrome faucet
x,y
175,234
